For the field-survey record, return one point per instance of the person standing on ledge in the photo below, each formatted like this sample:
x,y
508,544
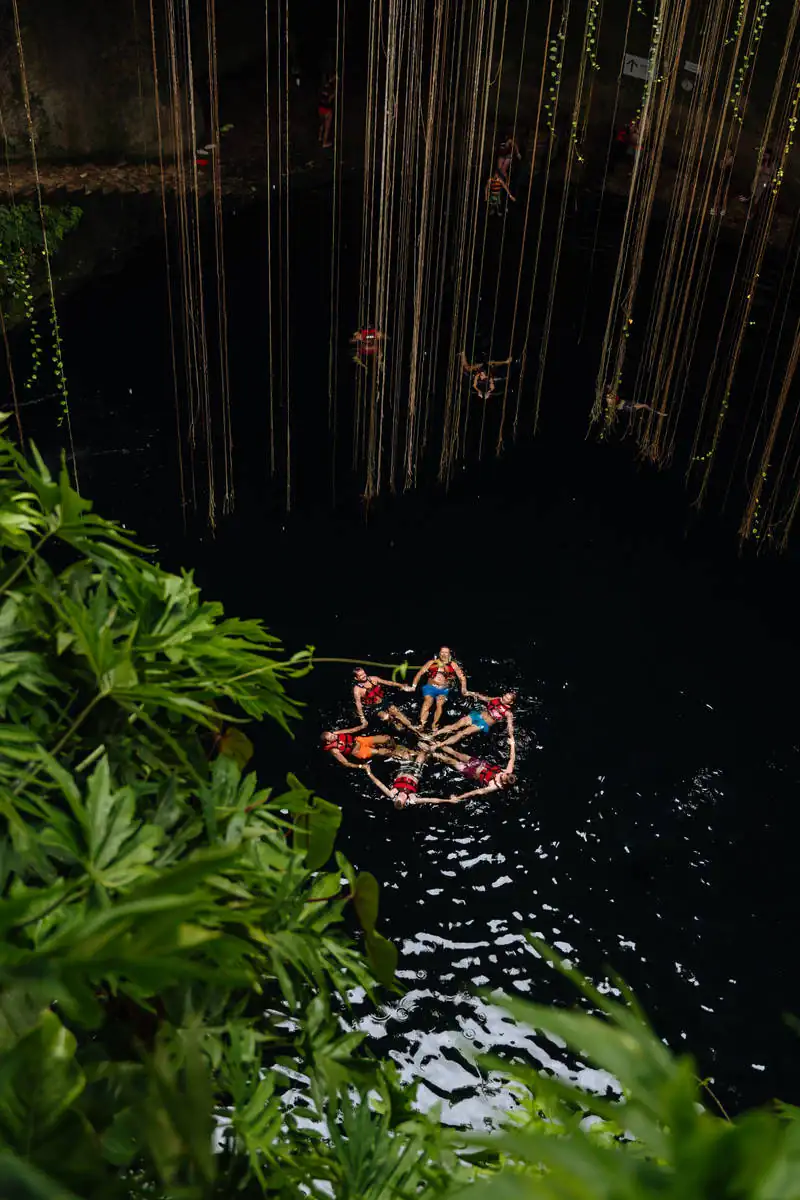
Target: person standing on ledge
x,y
368,691
442,673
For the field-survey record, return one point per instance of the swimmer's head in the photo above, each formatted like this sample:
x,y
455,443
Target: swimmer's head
x,y
445,654
383,716
360,675
509,698
326,738
506,779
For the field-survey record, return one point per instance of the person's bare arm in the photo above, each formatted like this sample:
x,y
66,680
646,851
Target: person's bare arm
x,y
506,188
462,679
437,799
501,362
512,753
359,707
421,672
510,727
346,761
478,696
378,782
396,683
468,795
467,366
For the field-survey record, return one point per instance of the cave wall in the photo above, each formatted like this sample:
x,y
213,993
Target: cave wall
x,y
90,78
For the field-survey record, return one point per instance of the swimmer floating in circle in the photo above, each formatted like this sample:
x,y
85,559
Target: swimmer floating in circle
x,y
498,708
442,672
405,786
491,778
368,691
347,744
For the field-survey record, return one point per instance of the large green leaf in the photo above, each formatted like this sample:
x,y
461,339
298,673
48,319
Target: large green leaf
x,y
20,1181
39,1081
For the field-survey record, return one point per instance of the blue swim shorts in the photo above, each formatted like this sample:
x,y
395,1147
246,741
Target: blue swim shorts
x,y
478,721
429,689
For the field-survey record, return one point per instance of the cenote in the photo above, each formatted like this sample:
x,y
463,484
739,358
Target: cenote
x,y
650,830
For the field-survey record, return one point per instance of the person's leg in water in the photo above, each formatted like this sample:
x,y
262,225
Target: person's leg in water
x,y
427,705
447,730
438,711
383,743
457,737
393,714
446,753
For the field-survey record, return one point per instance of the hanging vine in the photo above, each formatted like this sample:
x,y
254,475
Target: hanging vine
x,y
28,239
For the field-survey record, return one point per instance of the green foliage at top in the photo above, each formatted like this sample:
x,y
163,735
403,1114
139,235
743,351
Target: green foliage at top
x,y
174,963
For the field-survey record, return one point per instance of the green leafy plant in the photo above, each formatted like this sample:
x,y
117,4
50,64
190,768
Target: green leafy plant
x,y
661,1138
174,959
173,953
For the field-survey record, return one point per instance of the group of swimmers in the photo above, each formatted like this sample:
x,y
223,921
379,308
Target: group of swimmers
x,y
356,749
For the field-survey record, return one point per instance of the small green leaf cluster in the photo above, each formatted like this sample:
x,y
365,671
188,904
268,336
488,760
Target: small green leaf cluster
x,y
28,238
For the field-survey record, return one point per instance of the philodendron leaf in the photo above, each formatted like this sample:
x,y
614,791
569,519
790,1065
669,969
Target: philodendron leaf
x,y
365,899
236,745
39,1080
20,1181
315,832
382,958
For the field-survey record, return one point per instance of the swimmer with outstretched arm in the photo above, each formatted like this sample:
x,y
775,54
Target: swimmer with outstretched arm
x,y
442,672
348,744
491,778
498,708
404,785
368,691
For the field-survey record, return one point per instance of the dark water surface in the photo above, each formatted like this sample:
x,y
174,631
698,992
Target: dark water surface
x,y
659,757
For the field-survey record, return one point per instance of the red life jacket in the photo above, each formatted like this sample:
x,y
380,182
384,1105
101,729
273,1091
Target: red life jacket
x,y
343,742
496,185
373,694
487,774
496,709
440,668
623,135
406,783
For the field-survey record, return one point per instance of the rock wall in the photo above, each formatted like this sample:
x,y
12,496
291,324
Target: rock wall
x,y
90,78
